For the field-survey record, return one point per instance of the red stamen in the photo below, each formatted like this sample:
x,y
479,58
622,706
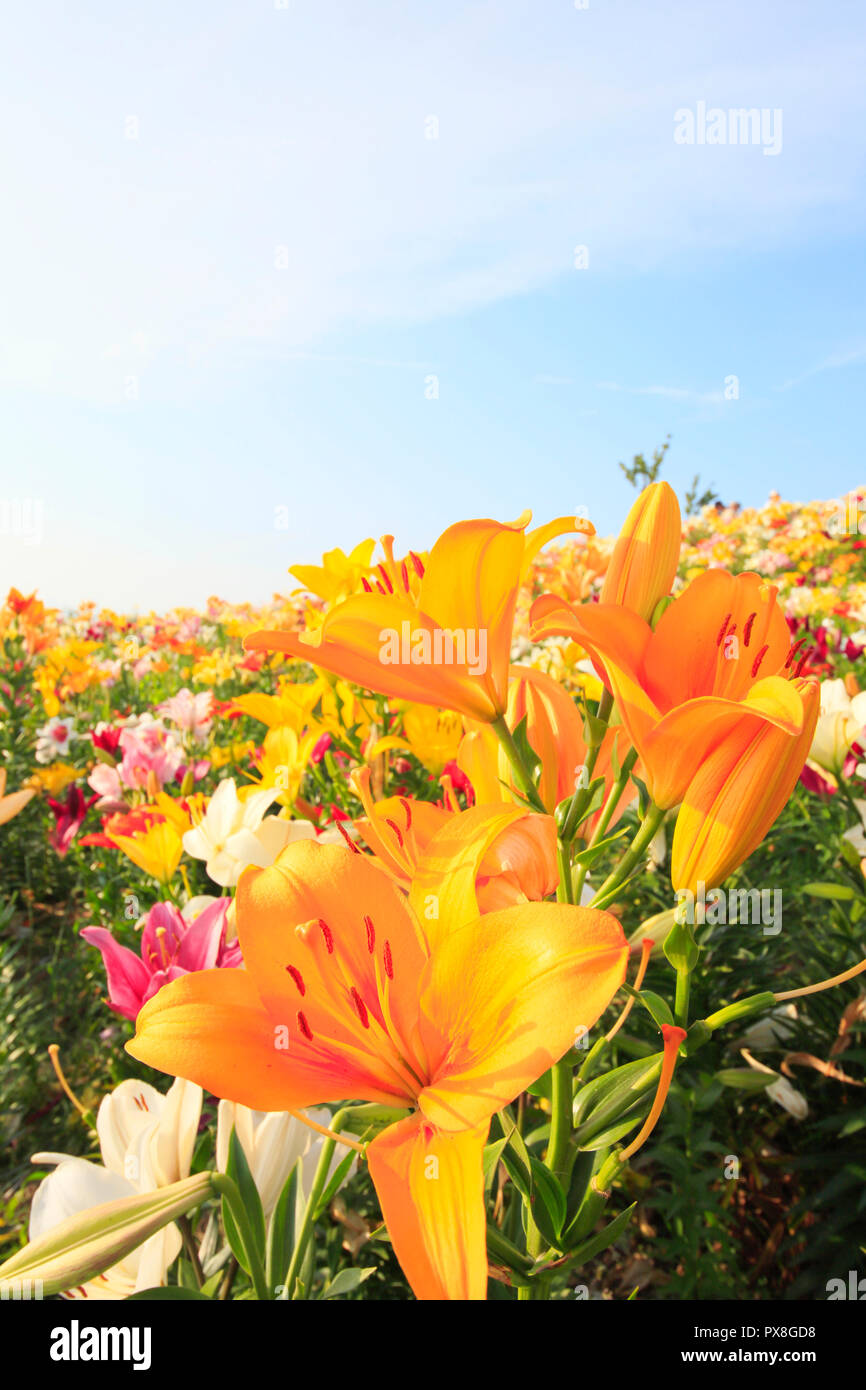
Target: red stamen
x,y
381,587
759,658
404,575
396,829
804,661
371,934
747,630
793,652
723,629
305,1027
328,935
367,586
389,964
418,563
384,573
408,809
361,1007
347,837
298,978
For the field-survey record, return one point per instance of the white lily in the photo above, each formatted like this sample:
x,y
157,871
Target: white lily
x,y
224,834
273,1142
840,723
146,1140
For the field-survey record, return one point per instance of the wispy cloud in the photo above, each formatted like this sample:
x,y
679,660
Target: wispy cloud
x,y
832,363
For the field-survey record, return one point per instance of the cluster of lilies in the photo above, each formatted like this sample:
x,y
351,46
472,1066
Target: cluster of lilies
x,y
440,962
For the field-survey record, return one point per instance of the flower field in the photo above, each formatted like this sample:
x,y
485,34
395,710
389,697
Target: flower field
x,y
485,922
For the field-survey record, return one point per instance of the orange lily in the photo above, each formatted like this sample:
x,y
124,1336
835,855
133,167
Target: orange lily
x,y
647,552
721,722
12,802
458,863
338,964
439,635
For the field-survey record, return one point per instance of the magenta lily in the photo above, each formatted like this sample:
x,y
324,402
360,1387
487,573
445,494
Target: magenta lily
x,y
68,818
170,946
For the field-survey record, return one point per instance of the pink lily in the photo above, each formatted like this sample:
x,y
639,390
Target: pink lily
x,y
170,946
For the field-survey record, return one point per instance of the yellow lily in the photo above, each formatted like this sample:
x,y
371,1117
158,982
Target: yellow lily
x,y
444,641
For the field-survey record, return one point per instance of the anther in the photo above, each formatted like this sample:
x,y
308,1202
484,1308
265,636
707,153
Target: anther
x,y
723,629
747,630
361,1007
759,658
328,935
404,575
371,934
298,978
305,1027
389,964
367,586
418,563
396,829
408,809
384,573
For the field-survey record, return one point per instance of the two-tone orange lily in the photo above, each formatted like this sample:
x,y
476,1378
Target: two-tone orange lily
x,y
338,963
714,705
455,864
440,634
647,551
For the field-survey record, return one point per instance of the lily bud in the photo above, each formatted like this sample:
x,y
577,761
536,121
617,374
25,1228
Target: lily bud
x,y
647,552
92,1241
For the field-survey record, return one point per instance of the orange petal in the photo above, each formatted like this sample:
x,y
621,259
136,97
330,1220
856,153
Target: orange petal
x,y
705,643
504,997
443,892
687,736
737,794
325,934
212,1028
471,584
431,1189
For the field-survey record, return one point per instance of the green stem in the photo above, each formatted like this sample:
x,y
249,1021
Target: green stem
x,y
521,773
309,1217
681,1004
633,856
578,801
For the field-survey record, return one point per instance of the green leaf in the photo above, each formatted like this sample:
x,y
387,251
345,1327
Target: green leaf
x,y
653,1003
588,856
338,1178
491,1157
606,1097
547,1202
347,1281
238,1170
283,1230
602,1239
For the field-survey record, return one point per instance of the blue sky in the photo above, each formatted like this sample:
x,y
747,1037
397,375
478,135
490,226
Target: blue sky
x,y
233,259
